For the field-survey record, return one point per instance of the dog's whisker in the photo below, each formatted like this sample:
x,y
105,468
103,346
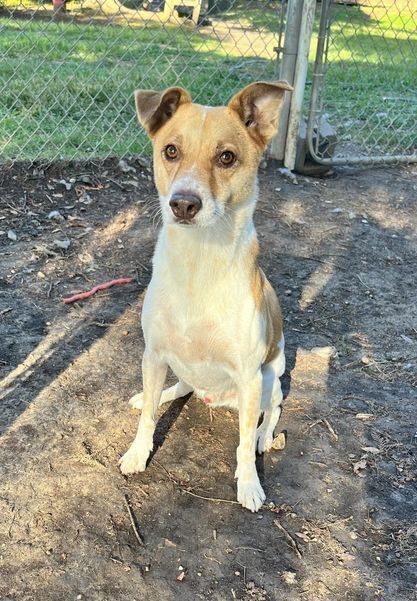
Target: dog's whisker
x,y
156,216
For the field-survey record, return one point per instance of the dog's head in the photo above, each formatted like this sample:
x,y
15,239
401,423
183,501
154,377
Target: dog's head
x,y
206,158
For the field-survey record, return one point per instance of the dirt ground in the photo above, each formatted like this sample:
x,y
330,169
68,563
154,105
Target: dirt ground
x,y
339,520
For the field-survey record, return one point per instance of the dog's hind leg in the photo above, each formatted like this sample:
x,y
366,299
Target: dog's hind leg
x,y
177,391
154,374
271,400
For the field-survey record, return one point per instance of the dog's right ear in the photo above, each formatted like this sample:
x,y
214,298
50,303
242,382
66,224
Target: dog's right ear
x,y
154,109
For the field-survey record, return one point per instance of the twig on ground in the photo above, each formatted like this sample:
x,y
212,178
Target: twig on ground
x,y
9,532
319,463
133,521
244,572
193,494
314,424
213,559
48,294
291,542
326,423
116,560
142,265
116,183
330,428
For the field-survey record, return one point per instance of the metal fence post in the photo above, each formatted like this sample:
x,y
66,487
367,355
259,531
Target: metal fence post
x,y
300,76
286,72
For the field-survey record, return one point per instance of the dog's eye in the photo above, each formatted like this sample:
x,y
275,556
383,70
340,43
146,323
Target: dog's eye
x,y
171,152
227,158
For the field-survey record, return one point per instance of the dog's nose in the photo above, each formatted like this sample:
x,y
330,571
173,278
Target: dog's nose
x,y
184,205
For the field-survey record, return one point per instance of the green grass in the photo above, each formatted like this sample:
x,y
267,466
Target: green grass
x,y
370,91
67,91
67,87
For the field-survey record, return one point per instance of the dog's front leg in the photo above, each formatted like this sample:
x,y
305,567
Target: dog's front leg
x,y
249,490
154,374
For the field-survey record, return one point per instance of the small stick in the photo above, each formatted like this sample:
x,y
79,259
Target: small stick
x,y
6,311
244,572
133,521
330,428
319,463
116,560
9,533
48,294
326,423
193,494
213,559
83,295
113,181
314,424
289,539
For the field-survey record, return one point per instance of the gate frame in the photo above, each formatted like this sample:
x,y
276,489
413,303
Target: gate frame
x,y
314,111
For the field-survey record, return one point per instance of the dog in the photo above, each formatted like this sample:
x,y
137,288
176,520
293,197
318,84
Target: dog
x,y
209,312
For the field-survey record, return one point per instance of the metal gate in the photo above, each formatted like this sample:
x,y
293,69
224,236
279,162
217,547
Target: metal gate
x,y
364,83
68,68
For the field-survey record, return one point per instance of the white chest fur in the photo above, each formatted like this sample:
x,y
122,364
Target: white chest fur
x,y
199,313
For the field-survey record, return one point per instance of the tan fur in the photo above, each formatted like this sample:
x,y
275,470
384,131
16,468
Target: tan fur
x,y
267,303
210,313
202,135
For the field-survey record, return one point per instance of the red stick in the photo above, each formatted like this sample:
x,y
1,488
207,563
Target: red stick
x,y
83,295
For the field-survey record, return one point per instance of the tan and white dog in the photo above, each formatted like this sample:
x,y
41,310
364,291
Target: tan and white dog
x,y
209,313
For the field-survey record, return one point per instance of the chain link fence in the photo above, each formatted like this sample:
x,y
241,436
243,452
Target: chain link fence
x,y
68,72
365,82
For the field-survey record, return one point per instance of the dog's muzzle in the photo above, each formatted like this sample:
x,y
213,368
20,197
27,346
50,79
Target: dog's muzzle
x,y
185,206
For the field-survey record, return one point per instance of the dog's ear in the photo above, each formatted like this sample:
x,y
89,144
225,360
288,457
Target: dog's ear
x,y
258,106
155,108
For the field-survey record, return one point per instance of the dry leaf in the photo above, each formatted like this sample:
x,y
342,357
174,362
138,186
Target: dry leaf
x,y
289,577
364,416
372,450
68,185
55,215
123,166
64,244
358,466
279,442
85,198
303,536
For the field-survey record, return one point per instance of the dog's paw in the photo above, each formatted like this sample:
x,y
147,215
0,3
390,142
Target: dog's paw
x,y
264,441
250,494
133,461
136,401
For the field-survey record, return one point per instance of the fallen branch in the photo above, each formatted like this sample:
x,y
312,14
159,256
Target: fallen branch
x,y
83,295
133,521
291,542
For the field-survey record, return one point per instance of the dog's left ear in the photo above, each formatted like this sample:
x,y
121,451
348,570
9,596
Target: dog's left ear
x,y
258,106
154,109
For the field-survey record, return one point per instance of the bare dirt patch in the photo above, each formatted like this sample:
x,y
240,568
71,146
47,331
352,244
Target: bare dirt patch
x,y
341,253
